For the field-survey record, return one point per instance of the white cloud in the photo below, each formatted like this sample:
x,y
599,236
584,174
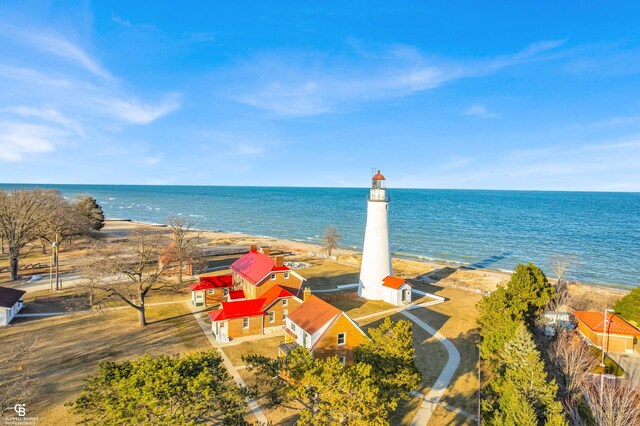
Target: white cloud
x,y
53,43
18,140
293,84
137,112
153,160
118,20
47,114
479,110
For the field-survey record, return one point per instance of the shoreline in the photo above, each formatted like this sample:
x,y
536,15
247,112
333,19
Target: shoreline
x,y
310,247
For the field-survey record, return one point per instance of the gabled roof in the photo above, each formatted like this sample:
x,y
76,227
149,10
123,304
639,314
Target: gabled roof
x,y
313,314
218,281
394,282
9,296
274,293
238,309
254,266
616,325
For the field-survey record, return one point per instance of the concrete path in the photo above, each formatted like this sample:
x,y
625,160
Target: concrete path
x,y
432,399
206,329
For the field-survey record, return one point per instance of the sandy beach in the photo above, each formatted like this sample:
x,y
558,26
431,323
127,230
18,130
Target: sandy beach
x,y
459,277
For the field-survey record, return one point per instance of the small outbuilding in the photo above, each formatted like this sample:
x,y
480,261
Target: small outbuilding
x,y
619,335
10,304
396,291
211,290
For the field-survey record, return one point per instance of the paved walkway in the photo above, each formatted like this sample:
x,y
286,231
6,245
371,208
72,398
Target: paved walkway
x,y
206,329
432,399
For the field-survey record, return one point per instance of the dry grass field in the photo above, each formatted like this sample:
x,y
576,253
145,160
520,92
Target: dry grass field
x,y
68,348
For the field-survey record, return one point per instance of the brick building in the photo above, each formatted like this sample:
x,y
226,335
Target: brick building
x,y
619,335
322,328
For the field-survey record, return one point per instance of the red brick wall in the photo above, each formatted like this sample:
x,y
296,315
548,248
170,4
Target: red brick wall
x,y
235,328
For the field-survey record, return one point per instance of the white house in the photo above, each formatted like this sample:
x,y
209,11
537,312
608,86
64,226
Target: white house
x,y
10,304
396,291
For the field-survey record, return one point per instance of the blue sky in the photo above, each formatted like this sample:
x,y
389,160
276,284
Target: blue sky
x,y
501,95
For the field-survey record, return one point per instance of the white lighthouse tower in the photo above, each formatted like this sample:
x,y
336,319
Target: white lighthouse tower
x,y
376,259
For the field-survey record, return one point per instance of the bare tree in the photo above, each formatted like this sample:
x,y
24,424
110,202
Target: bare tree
x,y
60,220
614,403
133,268
331,239
185,244
571,363
560,264
20,219
16,373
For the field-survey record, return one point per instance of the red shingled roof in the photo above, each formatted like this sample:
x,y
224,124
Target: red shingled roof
x,y
274,293
219,281
393,282
9,296
238,309
254,266
313,314
616,325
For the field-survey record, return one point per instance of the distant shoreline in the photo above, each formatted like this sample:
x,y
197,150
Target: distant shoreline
x,y
414,258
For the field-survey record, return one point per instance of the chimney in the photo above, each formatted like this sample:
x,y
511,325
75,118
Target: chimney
x,y
266,251
253,247
306,294
279,261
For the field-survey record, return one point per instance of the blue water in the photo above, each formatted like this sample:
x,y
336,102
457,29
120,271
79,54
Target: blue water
x,y
492,229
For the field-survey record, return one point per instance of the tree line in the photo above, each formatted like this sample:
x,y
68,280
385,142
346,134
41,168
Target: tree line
x,y
535,379
45,217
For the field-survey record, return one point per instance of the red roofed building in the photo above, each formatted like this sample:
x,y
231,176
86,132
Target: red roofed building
x,y
396,291
322,328
264,315
619,336
256,272
210,290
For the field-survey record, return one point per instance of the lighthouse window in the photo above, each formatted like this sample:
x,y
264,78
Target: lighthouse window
x,y
342,338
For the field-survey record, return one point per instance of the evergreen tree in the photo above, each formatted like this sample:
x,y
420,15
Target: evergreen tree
x,y
89,208
185,390
497,323
522,384
629,307
390,352
529,290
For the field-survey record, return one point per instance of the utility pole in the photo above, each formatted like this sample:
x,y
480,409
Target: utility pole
x,y
602,364
479,387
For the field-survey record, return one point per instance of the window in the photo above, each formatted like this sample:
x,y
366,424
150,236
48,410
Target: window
x,y
273,276
286,275
284,314
342,338
272,317
225,292
343,359
293,327
211,291
245,323
285,302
